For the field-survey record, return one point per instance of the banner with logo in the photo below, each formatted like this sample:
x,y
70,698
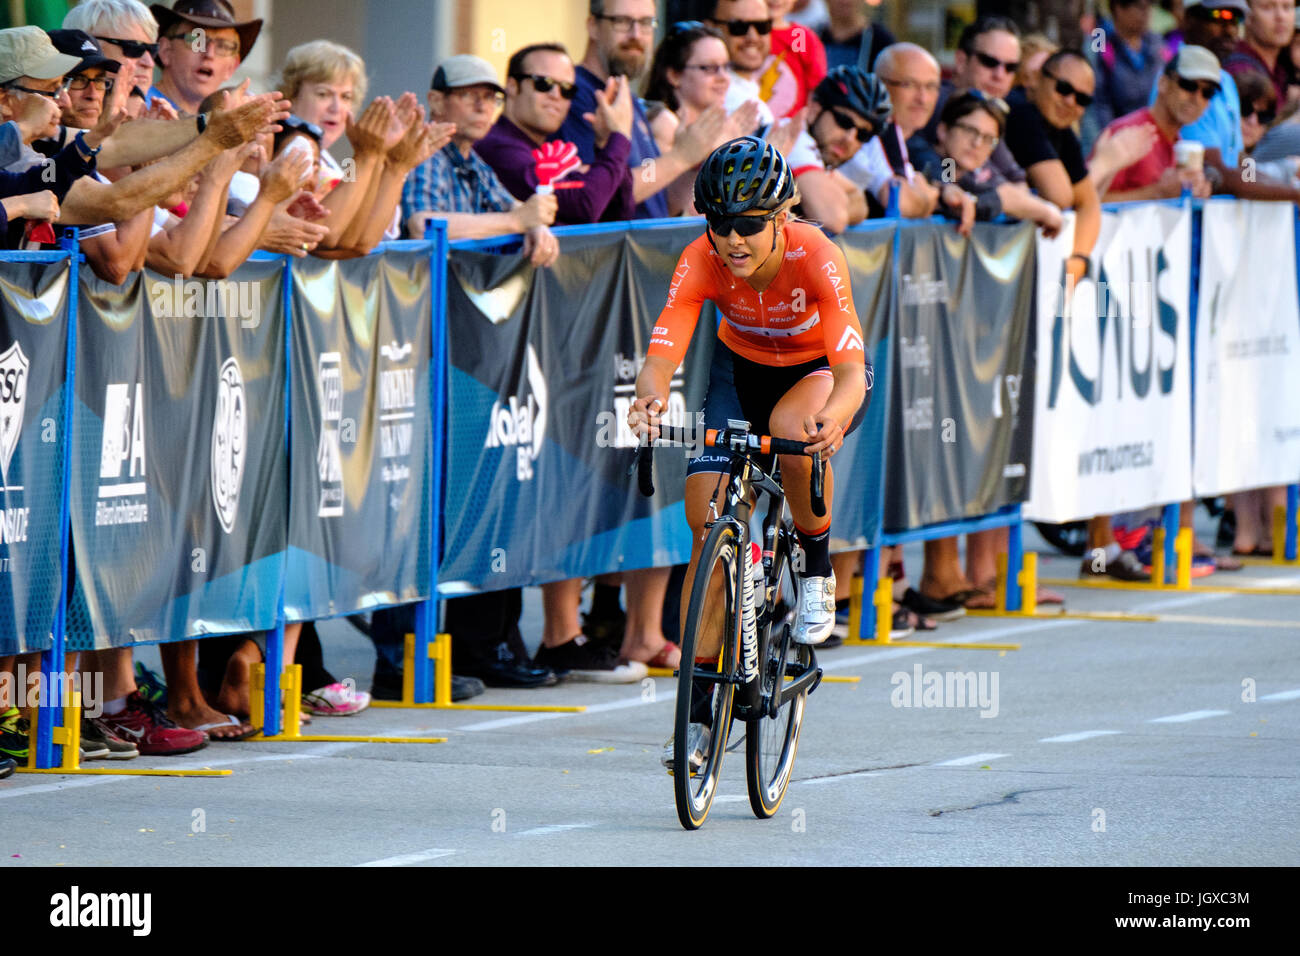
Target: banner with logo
x,y
962,384
543,370
362,442
1113,405
1247,348
178,466
33,356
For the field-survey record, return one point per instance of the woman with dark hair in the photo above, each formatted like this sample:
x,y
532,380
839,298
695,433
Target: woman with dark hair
x,y
970,127
688,76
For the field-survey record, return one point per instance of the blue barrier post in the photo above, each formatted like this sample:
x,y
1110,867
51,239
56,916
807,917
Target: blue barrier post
x,y
1015,559
52,661
1292,507
274,663
426,612
1170,520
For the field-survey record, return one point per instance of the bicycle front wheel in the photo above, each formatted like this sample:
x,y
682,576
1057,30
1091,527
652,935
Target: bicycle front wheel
x,y
772,742
714,609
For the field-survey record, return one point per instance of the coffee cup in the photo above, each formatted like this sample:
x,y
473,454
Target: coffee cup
x,y
1189,155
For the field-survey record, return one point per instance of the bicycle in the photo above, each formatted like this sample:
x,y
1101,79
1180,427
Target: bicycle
x,y
762,678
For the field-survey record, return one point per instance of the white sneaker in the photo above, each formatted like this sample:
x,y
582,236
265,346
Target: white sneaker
x,y
815,617
697,735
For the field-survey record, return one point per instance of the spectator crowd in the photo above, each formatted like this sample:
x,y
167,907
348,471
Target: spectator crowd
x,y
126,124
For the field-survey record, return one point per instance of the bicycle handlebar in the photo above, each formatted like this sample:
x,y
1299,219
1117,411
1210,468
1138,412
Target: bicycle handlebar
x,y
735,441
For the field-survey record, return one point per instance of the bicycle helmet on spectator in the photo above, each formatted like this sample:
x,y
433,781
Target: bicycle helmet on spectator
x,y
854,89
743,175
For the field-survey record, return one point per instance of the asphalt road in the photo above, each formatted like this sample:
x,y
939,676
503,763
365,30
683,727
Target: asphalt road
x,y
1169,742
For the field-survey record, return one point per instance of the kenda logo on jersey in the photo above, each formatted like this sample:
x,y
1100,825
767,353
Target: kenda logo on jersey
x,y
122,485
520,421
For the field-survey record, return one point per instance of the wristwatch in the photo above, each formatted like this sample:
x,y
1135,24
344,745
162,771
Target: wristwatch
x,y
1087,263
84,147
201,121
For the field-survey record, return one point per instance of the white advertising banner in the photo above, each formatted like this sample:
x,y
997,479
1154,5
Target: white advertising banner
x,y
1247,346
1112,397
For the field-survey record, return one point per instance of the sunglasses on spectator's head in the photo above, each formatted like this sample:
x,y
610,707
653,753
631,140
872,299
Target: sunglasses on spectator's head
x,y
738,28
1265,115
1207,90
132,49
992,62
1066,89
300,125
1222,14
844,121
543,84
685,26
744,226
996,102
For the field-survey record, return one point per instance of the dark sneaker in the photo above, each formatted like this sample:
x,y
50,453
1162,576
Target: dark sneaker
x,y
114,747
14,729
936,609
1126,567
93,750
462,688
585,659
7,766
150,685
143,724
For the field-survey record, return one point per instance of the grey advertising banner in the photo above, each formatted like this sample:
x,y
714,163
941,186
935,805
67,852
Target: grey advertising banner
x,y
178,466
961,424
33,356
359,514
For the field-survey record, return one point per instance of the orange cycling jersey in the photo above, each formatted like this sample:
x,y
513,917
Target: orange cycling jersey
x,y
806,312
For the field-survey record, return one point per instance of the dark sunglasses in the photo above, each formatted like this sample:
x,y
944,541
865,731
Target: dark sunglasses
x,y
543,84
992,62
1265,116
744,226
843,121
1207,90
738,28
1065,89
133,48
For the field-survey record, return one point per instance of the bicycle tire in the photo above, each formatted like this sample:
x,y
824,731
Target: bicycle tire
x,y
771,743
695,792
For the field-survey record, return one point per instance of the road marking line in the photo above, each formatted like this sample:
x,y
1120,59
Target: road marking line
x,y
555,828
730,798
636,701
1184,600
1189,716
406,859
1075,737
1282,695
836,778
973,758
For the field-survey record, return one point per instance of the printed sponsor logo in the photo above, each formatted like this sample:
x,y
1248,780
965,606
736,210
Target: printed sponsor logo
x,y
837,284
229,443
625,373
849,341
680,273
13,403
122,487
329,453
520,422
920,289
914,353
396,418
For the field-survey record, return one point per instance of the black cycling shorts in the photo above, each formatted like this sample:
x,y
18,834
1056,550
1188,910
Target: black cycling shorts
x,y
742,389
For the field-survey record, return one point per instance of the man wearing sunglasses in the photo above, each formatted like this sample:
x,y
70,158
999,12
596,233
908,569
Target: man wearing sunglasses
x,y
1184,91
1270,25
1215,25
128,34
540,85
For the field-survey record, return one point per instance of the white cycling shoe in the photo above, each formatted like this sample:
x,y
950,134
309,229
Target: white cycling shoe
x,y
697,735
815,618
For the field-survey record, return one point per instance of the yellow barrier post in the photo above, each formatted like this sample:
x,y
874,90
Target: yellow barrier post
x,y
1028,580
884,604
1183,548
257,696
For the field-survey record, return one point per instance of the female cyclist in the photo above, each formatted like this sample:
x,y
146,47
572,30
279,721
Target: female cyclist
x,y
789,357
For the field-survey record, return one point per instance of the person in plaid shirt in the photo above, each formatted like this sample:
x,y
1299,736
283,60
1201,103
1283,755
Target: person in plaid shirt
x,y
456,185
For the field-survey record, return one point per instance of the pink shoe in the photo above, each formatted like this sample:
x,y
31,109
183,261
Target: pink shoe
x,y
336,700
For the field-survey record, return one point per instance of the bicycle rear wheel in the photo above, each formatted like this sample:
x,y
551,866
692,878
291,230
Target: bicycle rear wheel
x,y
772,742
700,700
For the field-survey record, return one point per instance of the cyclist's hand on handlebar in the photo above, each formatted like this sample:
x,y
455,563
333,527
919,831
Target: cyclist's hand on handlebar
x,y
643,416
825,434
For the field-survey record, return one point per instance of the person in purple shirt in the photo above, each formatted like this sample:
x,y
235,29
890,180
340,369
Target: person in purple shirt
x,y
620,38
539,89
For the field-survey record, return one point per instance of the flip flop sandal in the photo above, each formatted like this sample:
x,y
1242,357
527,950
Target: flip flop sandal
x,y
920,623
980,599
230,721
665,657
1225,562
1255,552
1044,596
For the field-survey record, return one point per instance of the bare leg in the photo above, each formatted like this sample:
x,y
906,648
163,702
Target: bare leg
x,y
186,704
942,575
845,565
643,637
982,550
560,603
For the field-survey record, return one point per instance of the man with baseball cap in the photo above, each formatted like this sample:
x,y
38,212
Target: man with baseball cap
x,y
26,54
1184,90
1215,24
200,45
458,187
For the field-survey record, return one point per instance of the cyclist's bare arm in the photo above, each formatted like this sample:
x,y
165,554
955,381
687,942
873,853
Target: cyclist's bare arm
x,y
847,393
